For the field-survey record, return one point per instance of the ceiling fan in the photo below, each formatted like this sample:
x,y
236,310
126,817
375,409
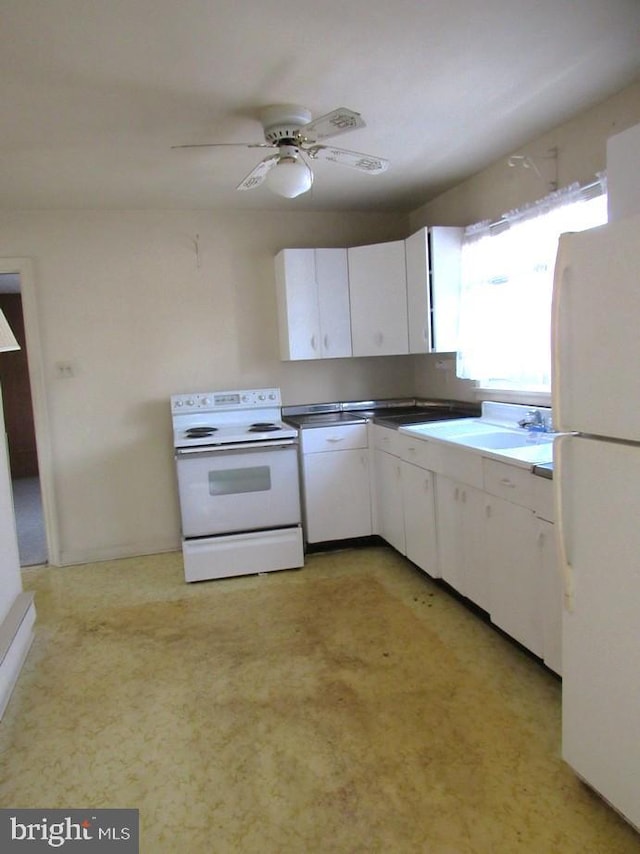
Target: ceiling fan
x,y
291,133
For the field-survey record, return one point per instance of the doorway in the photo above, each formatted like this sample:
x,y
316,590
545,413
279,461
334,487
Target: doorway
x,y
25,416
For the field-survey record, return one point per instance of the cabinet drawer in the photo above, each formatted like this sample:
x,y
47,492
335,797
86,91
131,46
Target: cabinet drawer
x,y
415,450
543,500
512,483
386,439
340,437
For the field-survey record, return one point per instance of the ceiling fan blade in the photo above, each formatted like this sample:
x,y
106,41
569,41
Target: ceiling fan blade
x,y
337,121
226,145
363,162
258,174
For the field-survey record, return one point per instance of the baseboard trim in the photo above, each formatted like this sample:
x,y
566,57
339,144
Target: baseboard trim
x,y
16,637
76,558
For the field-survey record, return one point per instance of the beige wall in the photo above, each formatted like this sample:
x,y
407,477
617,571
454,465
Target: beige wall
x,y
581,145
125,299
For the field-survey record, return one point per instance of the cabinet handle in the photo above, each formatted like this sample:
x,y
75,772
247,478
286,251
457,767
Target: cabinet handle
x,y
487,511
456,494
326,342
464,496
314,343
506,482
336,439
426,484
379,338
541,539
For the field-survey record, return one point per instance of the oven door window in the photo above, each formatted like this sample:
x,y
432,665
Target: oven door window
x,y
238,480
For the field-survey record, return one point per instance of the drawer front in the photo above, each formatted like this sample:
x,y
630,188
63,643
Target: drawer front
x,y
415,450
512,483
386,439
339,437
543,498
456,463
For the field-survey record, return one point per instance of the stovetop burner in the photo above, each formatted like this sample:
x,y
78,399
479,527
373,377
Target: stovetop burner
x,y
200,431
263,427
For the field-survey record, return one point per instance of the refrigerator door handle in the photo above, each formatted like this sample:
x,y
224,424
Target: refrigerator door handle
x,y
560,296
566,568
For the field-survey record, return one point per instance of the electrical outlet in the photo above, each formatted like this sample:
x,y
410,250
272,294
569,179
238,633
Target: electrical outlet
x,y
65,370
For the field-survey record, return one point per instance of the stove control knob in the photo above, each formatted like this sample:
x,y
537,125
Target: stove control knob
x,y
205,401
261,397
272,396
177,404
190,402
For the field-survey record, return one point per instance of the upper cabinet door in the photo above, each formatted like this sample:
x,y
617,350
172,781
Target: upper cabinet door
x,y
419,292
378,295
312,288
332,277
433,288
444,256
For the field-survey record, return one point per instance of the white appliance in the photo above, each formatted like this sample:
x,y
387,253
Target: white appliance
x,y
237,470
596,395
623,174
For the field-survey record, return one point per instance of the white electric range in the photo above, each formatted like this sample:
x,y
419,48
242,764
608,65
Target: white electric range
x,y
238,485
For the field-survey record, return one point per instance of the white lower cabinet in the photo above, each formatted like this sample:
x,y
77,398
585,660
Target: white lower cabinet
x,y
461,521
515,576
552,587
419,517
512,537
389,503
336,483
482,525
405,502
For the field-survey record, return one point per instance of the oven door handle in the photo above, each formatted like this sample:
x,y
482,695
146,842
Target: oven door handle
x,y
242,447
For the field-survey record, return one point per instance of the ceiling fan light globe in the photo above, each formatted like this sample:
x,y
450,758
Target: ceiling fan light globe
x,y
290,178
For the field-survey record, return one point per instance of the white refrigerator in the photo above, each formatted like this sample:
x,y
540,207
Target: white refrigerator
x,y
596,395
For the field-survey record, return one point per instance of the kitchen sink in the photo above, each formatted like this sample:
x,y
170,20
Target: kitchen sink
x,y
504,439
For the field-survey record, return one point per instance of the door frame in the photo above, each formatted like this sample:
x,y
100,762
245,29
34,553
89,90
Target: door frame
x,y
23,267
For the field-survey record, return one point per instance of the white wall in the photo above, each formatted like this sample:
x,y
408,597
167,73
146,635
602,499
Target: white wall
x,y
126,300
10,581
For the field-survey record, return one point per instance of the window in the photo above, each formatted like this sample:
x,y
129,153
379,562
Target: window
x,y
507,282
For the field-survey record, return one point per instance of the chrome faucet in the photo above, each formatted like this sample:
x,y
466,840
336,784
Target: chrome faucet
x,y
532,419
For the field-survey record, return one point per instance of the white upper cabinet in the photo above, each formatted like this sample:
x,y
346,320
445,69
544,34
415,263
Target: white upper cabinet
x,y
378,296
312,287
433,288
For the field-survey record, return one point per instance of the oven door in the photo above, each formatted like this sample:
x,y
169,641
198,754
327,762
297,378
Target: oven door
x,y
248,487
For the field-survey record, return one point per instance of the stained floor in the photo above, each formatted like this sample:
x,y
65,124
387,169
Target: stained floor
x,y
351,706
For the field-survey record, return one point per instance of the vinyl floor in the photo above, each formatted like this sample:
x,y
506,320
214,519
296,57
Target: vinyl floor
x,y
350,706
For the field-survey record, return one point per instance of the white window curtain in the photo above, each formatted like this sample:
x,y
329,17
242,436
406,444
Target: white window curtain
x,y
507,280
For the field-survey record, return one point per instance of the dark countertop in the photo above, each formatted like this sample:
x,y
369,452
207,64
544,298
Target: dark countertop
x,y
324,419
394,413
544,470
422,415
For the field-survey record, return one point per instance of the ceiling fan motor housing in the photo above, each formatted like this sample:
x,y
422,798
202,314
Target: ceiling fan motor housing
x,y
284,122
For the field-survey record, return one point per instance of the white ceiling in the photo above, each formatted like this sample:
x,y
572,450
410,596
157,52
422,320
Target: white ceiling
x,y
95,92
